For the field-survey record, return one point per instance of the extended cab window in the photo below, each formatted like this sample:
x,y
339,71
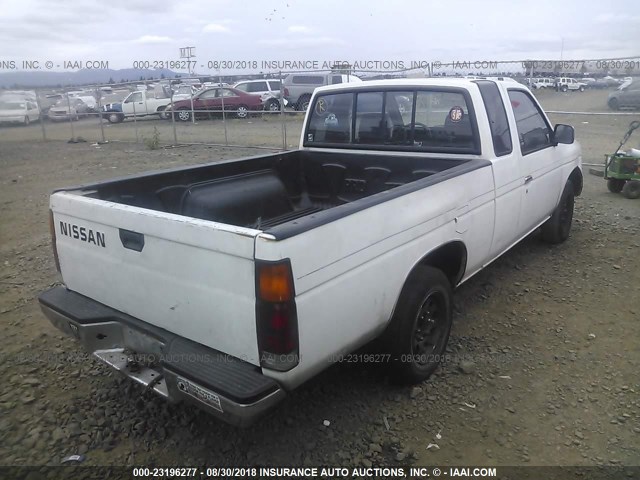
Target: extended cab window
x,y
497,115
440,122
533,132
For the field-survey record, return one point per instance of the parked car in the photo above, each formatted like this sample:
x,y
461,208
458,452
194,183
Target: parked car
x,y
64,109
628,97
229,284
18,110
564,83
603,83
183,92
300,86
269,91
212,100
136,104
543,83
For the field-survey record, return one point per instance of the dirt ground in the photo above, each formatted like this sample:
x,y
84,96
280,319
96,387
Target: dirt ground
x,y
543,360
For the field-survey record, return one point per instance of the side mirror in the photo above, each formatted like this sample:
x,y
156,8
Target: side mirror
x,y
563,134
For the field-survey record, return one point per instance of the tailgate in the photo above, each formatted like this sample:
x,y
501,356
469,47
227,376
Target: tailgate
x,y
192,277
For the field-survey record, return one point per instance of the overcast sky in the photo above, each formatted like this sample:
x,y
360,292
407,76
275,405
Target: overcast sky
x,y
122,31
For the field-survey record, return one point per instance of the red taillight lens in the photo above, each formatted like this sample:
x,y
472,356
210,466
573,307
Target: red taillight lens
x,y
52,231
276,316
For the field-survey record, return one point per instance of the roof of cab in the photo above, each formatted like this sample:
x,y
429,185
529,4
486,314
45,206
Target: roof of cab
x,y
418,82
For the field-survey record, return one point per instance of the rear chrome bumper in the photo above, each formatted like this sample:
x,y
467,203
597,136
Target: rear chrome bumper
x,y
173,367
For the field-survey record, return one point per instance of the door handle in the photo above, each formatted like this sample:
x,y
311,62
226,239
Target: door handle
x,y
528,179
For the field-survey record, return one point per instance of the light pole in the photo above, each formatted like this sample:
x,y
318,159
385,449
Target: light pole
x,y
189,53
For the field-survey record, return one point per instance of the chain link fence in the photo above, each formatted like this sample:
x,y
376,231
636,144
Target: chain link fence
x,y
157,113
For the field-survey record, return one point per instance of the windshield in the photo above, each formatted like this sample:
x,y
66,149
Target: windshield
x,y
437,120
12,106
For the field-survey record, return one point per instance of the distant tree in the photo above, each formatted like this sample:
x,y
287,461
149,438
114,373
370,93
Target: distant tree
x,y
111,80
162,76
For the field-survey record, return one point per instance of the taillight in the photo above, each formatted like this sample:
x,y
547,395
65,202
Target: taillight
x,y
52,231
276,316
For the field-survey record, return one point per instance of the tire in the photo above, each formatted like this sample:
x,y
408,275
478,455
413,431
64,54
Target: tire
x,y
272,106
557,228
163,115
631,189
303,103
615,185
114,117
613,104
564,88
26,121
242,111
183,115
419,330
581,89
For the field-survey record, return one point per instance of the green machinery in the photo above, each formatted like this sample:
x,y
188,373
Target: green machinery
x,y
622,170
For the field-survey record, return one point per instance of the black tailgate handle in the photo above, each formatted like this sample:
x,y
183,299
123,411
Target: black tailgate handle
x,y
132,240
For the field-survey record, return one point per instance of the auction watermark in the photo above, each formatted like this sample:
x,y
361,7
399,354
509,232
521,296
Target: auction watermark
x,y
86,64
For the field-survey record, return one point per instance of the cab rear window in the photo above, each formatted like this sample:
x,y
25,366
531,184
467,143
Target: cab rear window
x,y
438,120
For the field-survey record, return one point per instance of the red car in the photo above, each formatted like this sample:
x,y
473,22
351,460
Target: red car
x,y
207,102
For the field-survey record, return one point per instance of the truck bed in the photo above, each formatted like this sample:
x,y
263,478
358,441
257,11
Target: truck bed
x,y
281,194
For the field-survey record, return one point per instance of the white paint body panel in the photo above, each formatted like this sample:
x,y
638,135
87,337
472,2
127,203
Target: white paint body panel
x,y
196,278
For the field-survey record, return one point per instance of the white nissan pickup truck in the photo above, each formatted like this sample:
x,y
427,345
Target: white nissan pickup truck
x,y
231,283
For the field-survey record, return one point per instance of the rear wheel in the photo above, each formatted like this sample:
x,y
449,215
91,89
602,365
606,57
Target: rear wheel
x,y
163,115
613,104
631,189
303,103
615,185
419,330
558,227
581,88
564,88
273,106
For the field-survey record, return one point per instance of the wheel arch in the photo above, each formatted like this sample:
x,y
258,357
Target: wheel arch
x,y
449,257
576,180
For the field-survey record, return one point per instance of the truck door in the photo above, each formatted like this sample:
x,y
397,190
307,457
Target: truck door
x,y
135,104
541,177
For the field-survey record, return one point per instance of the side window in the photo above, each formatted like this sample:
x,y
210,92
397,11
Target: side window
x,y
243,86
136,97
225,92
500,132
308,79
336,79
207,94
257,87
274,84
533,131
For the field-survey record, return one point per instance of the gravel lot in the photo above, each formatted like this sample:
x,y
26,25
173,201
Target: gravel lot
x,y
543,365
